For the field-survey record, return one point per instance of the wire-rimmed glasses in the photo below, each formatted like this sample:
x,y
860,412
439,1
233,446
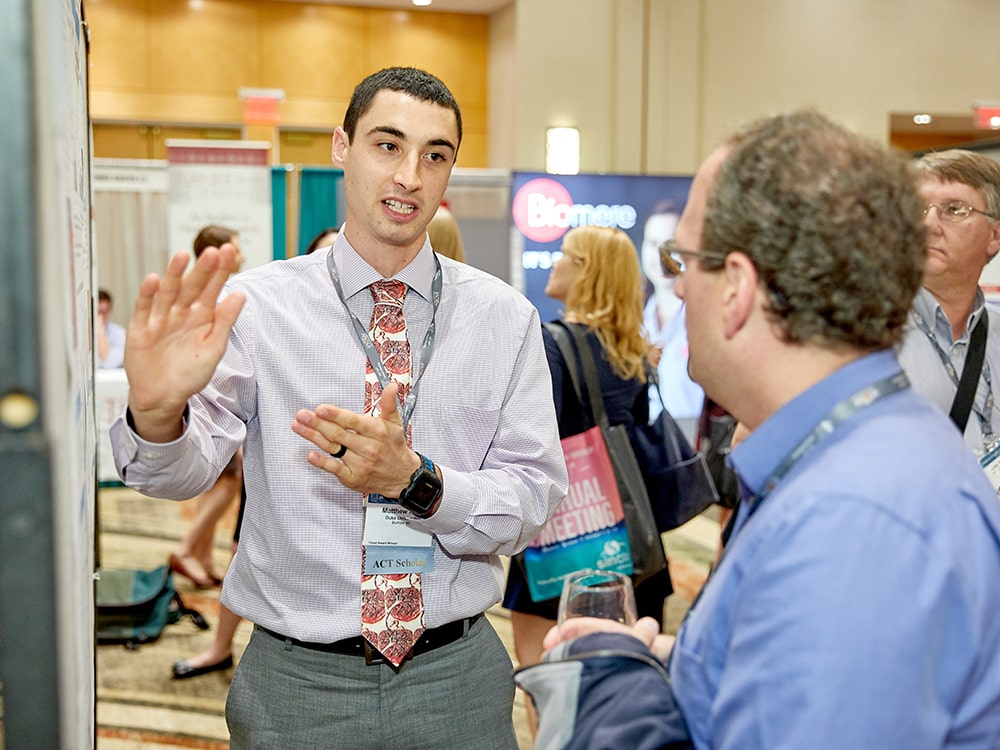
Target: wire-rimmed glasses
x,y
672,258
955,212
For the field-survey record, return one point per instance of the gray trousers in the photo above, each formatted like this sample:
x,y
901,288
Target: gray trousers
x,y
458,696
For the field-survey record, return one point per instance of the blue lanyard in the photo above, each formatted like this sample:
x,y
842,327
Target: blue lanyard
x,y
361,331
823,429
839,414
984,415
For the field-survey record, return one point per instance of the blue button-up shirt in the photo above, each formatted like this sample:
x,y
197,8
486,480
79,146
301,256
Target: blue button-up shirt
x,y
858,605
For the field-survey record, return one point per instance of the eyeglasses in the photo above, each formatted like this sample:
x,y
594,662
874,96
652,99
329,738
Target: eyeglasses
x,y
955,212
672,257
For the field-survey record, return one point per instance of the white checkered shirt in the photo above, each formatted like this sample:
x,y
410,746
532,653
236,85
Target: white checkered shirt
x,y
484,414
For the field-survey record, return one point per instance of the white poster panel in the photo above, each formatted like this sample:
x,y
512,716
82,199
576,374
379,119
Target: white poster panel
x,y
63,203
226,183
111,398
130,176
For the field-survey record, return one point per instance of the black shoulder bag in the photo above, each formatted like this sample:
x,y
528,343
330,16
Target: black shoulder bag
x,y
678,480
648,557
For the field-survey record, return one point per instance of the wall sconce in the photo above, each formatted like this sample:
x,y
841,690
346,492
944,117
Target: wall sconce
x,y
562,150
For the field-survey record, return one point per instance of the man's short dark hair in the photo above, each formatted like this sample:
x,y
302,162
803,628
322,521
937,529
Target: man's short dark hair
x,y
417,83
103,295
833,224
212,236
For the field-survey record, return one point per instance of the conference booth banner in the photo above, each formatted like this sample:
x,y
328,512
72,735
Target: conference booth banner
x,y
226,183
544,207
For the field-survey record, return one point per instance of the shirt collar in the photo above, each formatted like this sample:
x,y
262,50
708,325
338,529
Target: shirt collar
x,y
356,275
756,458
929,309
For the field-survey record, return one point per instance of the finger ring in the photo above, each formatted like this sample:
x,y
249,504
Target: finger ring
x,y
340,451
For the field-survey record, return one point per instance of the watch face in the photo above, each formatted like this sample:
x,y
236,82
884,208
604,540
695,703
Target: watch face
x,y
424,489
423,494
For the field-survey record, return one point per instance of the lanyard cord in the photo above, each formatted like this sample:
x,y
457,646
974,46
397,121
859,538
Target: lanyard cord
x,y
827,425
839,414
361,332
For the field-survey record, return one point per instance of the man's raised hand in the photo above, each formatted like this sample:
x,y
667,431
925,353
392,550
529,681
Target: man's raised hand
x,y
176,339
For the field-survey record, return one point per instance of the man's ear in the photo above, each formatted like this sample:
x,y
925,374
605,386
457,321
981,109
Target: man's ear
x,y
338,147
994,244
739,295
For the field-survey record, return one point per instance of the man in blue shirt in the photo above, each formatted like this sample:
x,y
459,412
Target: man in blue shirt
x,y
856,603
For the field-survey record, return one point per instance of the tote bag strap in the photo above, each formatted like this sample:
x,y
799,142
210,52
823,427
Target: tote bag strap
x,y
591,380
561,336
653,378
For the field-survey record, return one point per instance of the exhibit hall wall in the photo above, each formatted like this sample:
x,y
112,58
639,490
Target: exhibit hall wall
x,y
654,85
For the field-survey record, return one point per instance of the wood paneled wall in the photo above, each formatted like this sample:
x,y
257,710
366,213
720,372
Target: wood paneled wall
x,y
182,62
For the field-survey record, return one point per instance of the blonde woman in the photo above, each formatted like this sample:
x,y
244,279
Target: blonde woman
x,y
445,238
599,282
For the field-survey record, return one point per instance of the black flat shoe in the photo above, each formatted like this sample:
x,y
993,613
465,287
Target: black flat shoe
x,y
182,670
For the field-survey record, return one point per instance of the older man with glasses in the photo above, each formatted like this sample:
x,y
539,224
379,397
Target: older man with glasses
x,y
951,350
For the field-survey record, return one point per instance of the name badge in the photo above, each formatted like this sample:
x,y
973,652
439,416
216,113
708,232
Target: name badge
x,y
391,544
990,462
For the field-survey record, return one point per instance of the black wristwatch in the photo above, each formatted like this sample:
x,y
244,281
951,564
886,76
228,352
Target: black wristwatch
x,y
423,491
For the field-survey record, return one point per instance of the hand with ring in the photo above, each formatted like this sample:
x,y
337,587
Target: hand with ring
x,y
379,460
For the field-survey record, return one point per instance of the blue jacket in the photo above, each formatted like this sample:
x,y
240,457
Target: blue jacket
x,y
604,690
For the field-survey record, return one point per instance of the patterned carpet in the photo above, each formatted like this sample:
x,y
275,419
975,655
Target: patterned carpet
x,y
139,705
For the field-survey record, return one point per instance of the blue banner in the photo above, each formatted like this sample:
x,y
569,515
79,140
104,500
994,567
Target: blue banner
x,y
544,207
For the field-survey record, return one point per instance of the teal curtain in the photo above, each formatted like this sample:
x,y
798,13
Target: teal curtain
x,y
279,219
318,202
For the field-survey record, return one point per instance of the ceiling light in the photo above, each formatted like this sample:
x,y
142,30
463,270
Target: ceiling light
x,y
922,119
421,3
562,150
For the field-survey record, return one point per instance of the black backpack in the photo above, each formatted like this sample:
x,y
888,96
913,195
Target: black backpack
x,y
133,606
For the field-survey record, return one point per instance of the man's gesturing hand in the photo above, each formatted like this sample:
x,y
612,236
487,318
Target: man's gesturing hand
x,y
176,338
377,458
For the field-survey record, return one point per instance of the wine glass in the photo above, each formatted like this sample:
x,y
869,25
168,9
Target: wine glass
x,y
598,593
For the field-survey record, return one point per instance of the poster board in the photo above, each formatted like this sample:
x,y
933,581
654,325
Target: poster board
x,y
47,453
226,183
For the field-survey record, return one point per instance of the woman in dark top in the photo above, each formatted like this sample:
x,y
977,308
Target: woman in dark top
x,y
599,282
